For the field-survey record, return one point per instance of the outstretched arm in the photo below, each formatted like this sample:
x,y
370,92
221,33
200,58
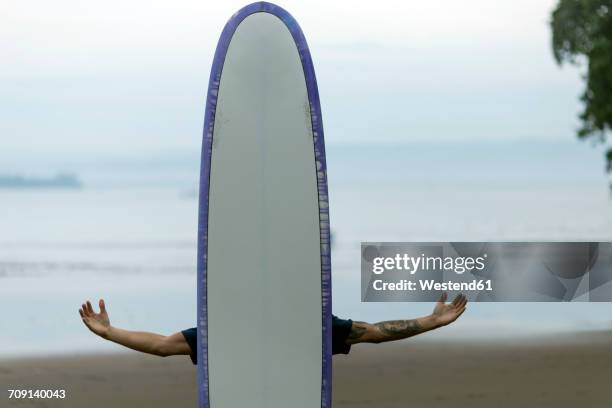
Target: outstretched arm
x,y
151,343
443,314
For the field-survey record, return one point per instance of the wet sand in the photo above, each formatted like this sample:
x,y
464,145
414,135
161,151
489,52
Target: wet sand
x,y
559,373
566,371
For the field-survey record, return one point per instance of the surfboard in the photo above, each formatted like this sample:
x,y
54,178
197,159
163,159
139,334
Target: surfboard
x,y
264,285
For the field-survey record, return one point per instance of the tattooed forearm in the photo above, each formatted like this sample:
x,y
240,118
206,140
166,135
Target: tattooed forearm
x,y
399,329
390,330
362,332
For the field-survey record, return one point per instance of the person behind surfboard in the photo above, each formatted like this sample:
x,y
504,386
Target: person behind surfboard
x,y
345,333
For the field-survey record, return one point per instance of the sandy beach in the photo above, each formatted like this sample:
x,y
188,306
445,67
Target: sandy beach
x,y
562,372
117,380
566,371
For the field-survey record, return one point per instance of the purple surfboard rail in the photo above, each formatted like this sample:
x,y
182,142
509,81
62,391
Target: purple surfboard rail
x,y
321,168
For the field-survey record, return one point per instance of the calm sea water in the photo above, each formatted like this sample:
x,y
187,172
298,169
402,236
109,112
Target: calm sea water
x,y
136,247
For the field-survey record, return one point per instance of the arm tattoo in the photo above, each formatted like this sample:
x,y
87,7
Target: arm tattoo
x,y
399,329
362,332
358,329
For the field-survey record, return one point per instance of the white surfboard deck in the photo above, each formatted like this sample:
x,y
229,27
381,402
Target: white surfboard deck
x,y
264,318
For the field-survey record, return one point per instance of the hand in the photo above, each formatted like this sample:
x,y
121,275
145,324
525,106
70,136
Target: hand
x,y
98,323
444,313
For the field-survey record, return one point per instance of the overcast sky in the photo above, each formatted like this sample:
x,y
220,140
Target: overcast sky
x,y
87,77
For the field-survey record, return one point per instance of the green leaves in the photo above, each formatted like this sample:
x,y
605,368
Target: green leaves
x,y
582,32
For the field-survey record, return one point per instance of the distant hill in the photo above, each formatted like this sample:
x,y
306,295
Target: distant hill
x,y
59,181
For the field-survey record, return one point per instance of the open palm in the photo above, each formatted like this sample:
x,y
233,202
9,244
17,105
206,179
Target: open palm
x,y
99,323
446,313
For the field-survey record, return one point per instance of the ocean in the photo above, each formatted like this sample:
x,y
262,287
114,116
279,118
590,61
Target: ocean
x,y
132,240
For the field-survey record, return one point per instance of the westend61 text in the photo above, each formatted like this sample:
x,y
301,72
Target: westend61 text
x,y
429,284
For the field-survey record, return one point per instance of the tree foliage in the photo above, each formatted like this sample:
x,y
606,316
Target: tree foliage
x,y
582,33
